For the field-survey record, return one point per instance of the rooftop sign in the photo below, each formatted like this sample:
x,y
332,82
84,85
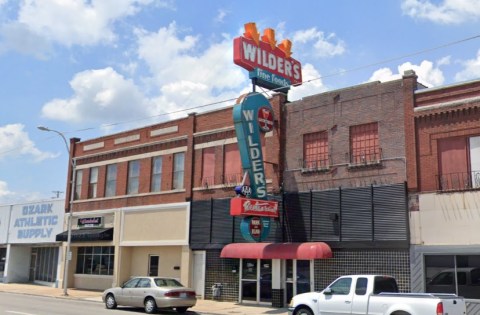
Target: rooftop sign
x,y
272,64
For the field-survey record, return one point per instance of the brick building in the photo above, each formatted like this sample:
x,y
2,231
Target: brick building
x,y
134,192
444,168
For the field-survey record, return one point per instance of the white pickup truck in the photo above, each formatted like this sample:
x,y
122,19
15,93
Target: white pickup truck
x,y
373,295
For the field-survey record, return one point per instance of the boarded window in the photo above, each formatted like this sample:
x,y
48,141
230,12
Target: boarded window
x,y
232,169
453,164
364,147
315,150
208,166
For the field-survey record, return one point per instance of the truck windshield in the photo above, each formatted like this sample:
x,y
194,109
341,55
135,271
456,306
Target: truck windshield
x,y
384,284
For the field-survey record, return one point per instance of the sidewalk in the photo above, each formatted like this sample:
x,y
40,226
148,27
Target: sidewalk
x,y
202,307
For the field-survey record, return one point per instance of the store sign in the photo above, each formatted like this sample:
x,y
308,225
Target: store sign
x,y
248,126
244,207
272,64
90,222
36,223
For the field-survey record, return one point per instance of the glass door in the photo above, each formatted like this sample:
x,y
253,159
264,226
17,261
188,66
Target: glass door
x,y
153,263
265,280
298,277
249,280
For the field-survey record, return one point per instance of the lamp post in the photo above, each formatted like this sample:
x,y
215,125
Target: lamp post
x,y
69,223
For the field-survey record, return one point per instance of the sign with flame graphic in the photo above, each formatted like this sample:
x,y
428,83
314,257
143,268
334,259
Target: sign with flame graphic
x,y
270,64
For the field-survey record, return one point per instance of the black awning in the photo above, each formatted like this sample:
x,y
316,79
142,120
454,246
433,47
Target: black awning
x,y
87,235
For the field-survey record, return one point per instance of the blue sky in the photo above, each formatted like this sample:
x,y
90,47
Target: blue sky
x,y
95,67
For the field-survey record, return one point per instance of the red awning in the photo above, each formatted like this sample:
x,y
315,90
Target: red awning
x,y
301,251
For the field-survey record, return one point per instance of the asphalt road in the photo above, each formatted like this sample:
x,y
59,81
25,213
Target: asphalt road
x,y
22,304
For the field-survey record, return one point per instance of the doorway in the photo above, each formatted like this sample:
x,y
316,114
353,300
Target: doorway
x,y
256,280
153,263
33,267
299,275
199,258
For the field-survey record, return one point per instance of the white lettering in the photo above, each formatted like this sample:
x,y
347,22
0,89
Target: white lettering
x,y
288,68
255,153
272,61
249,51
296,71
280,65
257,166
248,115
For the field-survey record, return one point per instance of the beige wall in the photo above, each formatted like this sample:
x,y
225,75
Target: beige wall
x,y
446,219
163,226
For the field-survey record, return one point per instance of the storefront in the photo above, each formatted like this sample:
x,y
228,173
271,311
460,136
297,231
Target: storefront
x,y
110,246
30,252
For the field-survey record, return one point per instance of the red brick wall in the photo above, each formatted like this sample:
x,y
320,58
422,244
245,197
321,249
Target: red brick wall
x,y
335,112
454,111
199,124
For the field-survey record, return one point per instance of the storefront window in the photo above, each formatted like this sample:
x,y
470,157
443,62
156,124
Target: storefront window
x,y
440,276
43,264
95,260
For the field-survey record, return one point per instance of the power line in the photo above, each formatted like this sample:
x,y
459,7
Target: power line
x,y
274,90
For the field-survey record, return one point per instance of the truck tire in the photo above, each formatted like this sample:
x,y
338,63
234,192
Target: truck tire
x,y
304,311
400,313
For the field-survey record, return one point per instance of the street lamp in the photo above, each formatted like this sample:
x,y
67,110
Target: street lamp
x,y
69,223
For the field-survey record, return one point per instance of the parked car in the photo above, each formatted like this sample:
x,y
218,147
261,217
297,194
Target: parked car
x,y
152,293
468,282
372,294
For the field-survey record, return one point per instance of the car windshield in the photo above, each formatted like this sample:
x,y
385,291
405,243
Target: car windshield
x,y
162,282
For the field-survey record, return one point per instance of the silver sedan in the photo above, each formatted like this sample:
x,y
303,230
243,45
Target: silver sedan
x,y
152,293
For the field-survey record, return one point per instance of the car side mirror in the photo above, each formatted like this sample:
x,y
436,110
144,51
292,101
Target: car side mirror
x,y
327,291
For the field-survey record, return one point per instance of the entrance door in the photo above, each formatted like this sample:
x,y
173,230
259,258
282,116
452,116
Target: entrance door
x,y
298,277
256,280
153,263
199,273
33,267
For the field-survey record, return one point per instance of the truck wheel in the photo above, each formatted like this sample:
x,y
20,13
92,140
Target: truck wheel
x,y
304,311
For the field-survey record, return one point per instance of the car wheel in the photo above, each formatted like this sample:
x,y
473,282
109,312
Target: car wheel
x,y
110,302
304,311
150,306
181,310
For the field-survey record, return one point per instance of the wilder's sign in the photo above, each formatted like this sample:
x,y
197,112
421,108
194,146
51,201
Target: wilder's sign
x,y
272,67
255,53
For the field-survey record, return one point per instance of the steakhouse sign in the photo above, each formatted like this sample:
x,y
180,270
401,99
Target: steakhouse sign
x,y
271,67
253,52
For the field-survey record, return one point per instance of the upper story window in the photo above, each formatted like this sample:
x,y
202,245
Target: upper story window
x,y
364,144
232,164
133,177
178,170
111,181
92,186
157,163
208,166
458,163
315,150
78,184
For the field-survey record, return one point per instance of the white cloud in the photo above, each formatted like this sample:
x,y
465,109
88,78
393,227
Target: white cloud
x,y
73,22
308,88
427,73
14,142
324,45
4,191
221,14
101,95
446,12
471,69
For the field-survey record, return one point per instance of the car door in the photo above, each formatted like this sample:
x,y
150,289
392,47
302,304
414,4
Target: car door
x,y
140,291
337,298
124,296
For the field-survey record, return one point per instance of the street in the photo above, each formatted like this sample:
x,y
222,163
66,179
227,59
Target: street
x,y
24,304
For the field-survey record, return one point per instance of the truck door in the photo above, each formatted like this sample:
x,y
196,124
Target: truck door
x,y
337,298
